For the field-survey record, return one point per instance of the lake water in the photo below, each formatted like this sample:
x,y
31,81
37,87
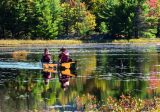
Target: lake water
x,y
103,70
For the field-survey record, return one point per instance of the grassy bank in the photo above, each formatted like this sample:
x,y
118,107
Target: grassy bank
x,y
125,41
38,42
137,41
70,42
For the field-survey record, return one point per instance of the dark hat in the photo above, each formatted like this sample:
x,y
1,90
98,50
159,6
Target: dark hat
x,y
46,49
63,49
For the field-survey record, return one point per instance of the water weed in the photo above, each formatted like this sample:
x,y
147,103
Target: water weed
x,y
20,55
123,104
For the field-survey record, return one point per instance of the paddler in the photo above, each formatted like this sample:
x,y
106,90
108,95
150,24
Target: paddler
x,y
46,57
64,56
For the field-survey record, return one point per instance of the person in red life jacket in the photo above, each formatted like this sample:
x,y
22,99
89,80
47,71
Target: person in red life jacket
x,y
46,57
64,56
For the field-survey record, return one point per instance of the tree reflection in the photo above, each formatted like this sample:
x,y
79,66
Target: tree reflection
x,y
100,75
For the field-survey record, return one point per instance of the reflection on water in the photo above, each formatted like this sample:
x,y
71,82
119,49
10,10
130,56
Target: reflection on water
x,y
21,65
103,70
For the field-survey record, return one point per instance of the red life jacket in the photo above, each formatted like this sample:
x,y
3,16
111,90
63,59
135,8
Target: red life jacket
x,y
64,58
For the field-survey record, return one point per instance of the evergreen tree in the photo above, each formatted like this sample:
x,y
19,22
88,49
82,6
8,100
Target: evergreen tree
x,y
118,16
8,21
26,19
48,18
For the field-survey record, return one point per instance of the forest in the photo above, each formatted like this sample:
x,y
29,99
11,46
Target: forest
x,y
55,19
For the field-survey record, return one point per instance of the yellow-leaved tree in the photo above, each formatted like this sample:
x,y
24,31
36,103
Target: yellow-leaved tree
x,y
77,20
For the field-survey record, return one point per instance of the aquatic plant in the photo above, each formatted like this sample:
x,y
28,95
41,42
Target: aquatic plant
x,y
87,103
20,55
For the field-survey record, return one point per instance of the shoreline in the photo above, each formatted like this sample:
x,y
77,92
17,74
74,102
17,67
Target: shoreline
x,y
9,42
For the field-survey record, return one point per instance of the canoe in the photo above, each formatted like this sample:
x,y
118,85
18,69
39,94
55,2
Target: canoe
x,y
54,67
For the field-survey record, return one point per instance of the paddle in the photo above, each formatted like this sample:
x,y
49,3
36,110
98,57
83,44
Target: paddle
x,y
67,72
64,72
66,65
49,65
50,70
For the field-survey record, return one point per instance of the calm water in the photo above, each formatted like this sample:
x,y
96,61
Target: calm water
x,y
102,70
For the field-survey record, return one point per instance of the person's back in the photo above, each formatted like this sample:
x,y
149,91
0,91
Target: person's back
x,y
46,58
64,56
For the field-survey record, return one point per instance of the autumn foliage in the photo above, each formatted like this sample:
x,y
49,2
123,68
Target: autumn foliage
x,y
125,103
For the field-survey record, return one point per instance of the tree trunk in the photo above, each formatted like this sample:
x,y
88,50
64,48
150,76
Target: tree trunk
x,y
136,22
158,29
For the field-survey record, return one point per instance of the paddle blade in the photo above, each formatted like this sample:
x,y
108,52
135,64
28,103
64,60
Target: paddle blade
x,y
67,72
67,65
49,65
49,70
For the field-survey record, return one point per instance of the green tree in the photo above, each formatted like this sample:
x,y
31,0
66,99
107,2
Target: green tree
x,y
95,6
8,21
47,13
103,27
149,16
118,16
77,20
26,19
